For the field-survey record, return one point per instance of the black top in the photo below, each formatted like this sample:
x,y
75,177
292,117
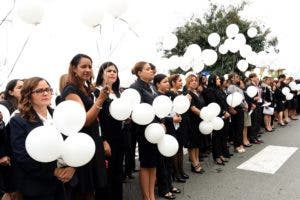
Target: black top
x,y
110,127
218,96
93,174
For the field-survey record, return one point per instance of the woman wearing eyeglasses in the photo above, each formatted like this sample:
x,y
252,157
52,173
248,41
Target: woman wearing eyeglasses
x,y
35,180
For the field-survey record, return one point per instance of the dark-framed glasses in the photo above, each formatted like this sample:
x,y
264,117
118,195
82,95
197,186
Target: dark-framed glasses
x,y
42,90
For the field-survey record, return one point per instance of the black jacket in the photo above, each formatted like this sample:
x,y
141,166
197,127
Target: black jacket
x,y
33,178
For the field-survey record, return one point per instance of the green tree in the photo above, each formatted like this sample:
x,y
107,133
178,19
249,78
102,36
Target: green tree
x,y
197,30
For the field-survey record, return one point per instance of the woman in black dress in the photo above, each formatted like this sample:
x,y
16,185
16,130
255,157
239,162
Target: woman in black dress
x,y
111,129
181,131
215,94
12,95
148,153
91,176
196,139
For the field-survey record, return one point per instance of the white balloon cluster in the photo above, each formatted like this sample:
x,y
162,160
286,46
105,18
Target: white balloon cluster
x,y
287,92
210,120
46,144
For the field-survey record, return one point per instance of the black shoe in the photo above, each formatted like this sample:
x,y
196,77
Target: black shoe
x,y
219,161
130,176
169,195
180,180
175,190
248,145
185,176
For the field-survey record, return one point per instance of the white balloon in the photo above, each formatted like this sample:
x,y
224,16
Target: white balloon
x,y
168,146
174,62
245,50
31,11
44,144
233,45
69,117
78,149
213,39
169,41
232,30
240,39
242,65
218,123
298,87
285,90
143,114
234,99
206,113
252,58
120,109
154,133
197,65
209,57
293,85
289,96
214,108
132,96
181,104
252,32
206,127
5,114
251,91
92,13
193,50
223,49
162,106
117,7
247,73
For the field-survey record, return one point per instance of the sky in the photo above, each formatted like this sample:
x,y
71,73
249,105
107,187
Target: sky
x,y
61,34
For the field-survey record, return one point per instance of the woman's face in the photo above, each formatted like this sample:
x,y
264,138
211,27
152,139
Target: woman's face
x,y
110,75
84,69
218,81
41,94
178,83
16,92
194,83
163,85
147,73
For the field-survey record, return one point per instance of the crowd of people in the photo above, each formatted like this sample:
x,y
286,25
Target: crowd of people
x,y
29,103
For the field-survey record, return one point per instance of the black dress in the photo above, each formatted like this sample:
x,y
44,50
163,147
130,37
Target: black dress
x,y
196,138
148,152
111,130
92,175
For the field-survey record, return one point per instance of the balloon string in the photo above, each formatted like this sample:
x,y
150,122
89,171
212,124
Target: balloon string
x,y
4,19
19,55
123,36
97,43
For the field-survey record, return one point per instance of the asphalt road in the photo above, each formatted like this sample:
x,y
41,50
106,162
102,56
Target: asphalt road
x,y
229,183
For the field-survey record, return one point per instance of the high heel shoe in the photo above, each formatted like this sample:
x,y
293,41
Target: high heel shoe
x,y
197,169
219,161
185,176
180,179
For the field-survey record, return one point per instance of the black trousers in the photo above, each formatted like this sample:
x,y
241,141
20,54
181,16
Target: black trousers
x,y
237,122
216,140
224,138
255,125
164,175
115,170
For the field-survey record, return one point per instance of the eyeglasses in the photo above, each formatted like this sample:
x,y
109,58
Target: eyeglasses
x,y
42,91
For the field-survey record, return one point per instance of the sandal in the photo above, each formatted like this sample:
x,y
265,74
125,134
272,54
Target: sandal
x,y
169,195
175,190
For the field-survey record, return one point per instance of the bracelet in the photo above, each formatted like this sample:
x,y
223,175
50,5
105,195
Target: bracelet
x,y
98,107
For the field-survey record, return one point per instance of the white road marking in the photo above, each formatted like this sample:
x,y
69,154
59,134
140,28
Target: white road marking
x,y
268,160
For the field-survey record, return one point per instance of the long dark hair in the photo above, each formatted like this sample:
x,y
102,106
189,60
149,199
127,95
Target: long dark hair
x,y
212,81
10,87
99,80
73,79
